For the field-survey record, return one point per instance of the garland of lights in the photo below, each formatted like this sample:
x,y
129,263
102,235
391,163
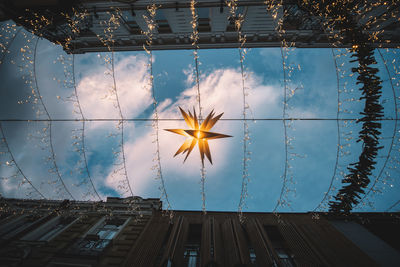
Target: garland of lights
x,y
49,127
195,38
74,22
373,187
396,161
326,26
36,96
349,195
284,115
246,140
110,26
120,125
14,162
82,136
5,48
151,26
287,177
238,20
338,133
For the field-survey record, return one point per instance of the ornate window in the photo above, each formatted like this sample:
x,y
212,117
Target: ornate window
x,y
98,237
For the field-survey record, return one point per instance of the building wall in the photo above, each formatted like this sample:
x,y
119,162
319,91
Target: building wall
x,y
148,236
65,248
225,241
174,27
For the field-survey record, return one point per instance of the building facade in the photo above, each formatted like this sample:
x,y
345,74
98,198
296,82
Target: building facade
x,y
64,233
137,232
124,22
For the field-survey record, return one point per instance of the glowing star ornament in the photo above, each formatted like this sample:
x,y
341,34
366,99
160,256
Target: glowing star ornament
x,y
198,134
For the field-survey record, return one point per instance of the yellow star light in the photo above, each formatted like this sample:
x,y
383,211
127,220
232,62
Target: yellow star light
x,y
198,133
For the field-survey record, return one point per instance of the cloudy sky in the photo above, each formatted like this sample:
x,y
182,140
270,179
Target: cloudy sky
x,y
312,147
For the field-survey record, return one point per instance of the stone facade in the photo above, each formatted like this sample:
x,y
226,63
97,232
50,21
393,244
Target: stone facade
x,y
174,29
88,234
137,232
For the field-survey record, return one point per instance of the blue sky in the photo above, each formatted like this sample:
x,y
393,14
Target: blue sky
x,y
311,154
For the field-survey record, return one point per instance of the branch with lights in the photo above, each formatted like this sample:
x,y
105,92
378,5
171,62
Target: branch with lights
x,y
359,172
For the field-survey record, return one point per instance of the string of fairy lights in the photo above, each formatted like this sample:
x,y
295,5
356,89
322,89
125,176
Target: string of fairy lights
x,y
342,137
121,128
4,47
281,200
29,54
13,163
358,174
78,134
289,89
339,148
110,24
383,171
149,33
120,172
389,170
346,136
237,19
346,196
194,37
394,161
335,169
80,137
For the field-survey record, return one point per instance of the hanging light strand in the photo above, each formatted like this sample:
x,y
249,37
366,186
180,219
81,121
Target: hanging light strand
x,y
49,127
78,133
378,177
194,37
341,17
6,48
14,162
74,22
149,33
28,64
287,68
238,20
328,29
83,148
110,25
246,143
326,194
121,125
279,13
282,200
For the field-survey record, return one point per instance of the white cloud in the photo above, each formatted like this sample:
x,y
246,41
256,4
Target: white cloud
x,y
221,90
96,91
